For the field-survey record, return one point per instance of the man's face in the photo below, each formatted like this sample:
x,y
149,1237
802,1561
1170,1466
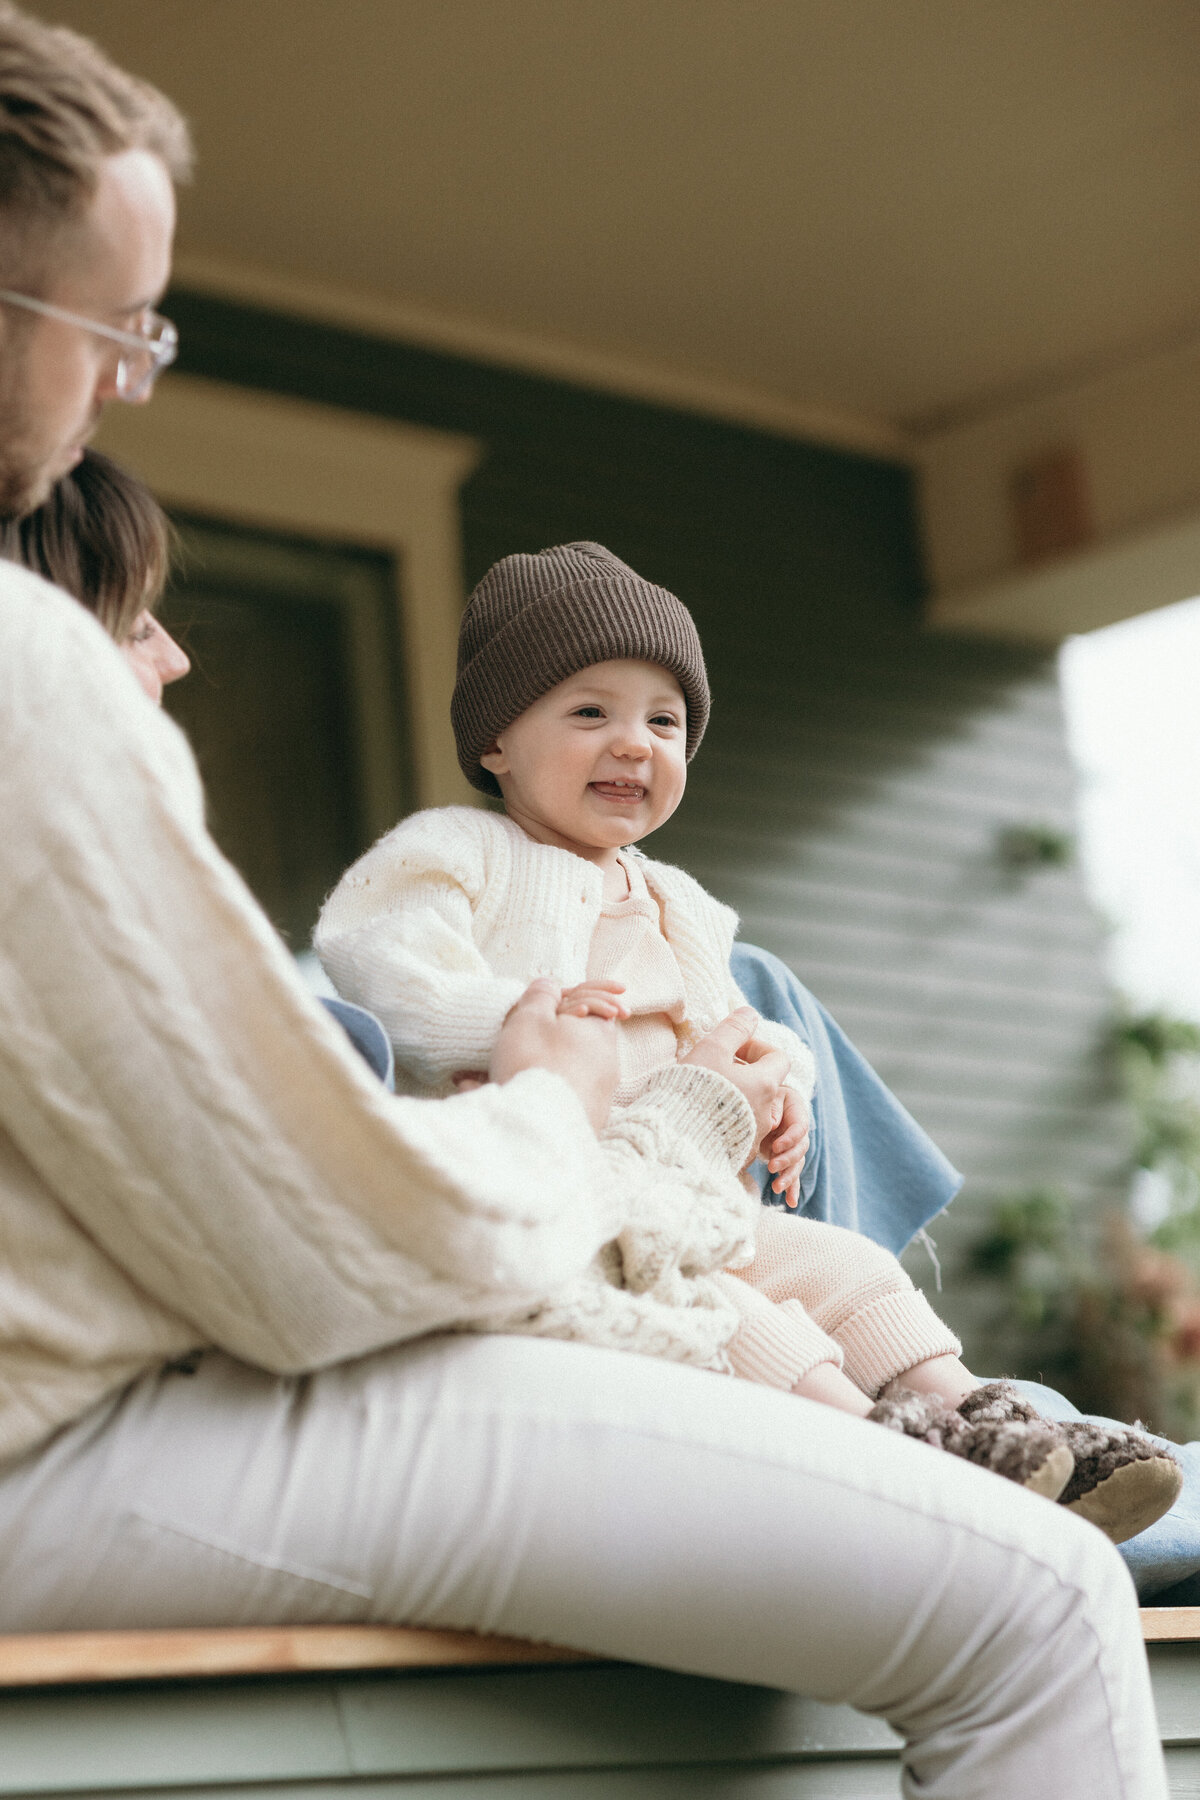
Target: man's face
x,y
55,378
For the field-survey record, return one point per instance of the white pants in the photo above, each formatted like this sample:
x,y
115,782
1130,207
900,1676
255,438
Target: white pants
x,y
634,1508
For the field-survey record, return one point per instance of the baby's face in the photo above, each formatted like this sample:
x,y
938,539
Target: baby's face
x,y
599,760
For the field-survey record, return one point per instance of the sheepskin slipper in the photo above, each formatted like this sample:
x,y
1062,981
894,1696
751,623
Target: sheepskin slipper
x,y
1122,1482
1030,1452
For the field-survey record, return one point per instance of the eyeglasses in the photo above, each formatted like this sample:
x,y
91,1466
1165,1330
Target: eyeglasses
x,y
145,353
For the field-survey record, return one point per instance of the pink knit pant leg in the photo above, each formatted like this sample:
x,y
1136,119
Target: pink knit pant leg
x,y
855,1291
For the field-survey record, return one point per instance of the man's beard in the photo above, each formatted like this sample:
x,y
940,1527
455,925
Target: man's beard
x,y
26,478
22,490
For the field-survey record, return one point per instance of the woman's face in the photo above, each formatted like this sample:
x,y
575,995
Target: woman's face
x,y
154,656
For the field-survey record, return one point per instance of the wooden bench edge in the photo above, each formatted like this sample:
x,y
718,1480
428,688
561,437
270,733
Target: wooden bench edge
x,y
1170,1624
42,1659
72,1658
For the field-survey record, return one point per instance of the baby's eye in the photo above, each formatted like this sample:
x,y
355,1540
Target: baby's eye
x,y
665,721
588,712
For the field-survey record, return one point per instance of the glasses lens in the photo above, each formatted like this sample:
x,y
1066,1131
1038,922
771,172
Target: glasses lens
x,y
135,374
165,339
138,369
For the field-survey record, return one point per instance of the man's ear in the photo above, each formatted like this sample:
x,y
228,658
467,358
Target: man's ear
x,y
494,760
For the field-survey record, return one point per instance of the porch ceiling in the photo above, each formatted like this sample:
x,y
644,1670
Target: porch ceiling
x,y
907,209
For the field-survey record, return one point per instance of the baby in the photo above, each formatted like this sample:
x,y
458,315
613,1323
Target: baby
x,y
581,697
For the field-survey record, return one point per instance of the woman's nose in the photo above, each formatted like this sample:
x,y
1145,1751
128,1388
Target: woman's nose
x,y
171,659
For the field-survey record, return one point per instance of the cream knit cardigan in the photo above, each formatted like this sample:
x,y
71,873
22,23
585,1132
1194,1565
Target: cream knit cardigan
x,y
191,1154
446,921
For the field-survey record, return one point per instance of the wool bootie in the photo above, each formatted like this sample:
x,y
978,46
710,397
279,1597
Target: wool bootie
x,y
1123,1480
1030,1452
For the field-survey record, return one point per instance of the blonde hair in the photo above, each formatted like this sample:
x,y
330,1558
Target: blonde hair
x,y
64,108
103,537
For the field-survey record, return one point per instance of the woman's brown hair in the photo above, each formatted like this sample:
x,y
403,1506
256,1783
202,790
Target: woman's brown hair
x,y
102,536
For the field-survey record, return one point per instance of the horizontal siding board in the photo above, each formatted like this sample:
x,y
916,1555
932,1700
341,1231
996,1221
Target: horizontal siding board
x,y
942,711
1048,1040
608,1733
846,989
857,1778
584,1717
217,1734
796,829
990,1087
968,793
97,1741
879,844
846,751
814,905
975,957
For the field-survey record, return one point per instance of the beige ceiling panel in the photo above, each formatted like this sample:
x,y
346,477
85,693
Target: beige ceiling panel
x,y
897,209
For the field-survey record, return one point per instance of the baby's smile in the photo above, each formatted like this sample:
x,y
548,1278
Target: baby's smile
x,y
618,790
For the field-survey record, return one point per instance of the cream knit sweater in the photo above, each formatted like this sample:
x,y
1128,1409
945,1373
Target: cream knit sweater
x,y
451,915
191,1154
441,926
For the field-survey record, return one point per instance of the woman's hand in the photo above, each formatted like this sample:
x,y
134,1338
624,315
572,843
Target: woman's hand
x,y
535,1035
756,1071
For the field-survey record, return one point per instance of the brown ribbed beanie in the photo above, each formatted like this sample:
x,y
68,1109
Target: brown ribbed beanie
x,y
535,620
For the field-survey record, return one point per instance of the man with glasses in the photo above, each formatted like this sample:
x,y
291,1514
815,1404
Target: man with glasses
x,y
87,214
141,355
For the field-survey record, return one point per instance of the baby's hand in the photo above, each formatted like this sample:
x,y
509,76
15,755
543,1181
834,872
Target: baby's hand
x,y
597,999
786,1146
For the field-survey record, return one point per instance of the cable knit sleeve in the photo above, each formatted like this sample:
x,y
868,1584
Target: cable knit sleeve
x,y
205,1142
657,1289
396,937
676,1152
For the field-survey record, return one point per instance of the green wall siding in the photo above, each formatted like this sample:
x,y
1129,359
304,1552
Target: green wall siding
x,y
858,771
602,1733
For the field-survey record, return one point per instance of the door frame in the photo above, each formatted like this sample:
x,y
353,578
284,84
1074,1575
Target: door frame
x,y
259,459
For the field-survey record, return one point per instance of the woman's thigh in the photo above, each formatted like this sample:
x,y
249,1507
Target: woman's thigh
x,y
629,1507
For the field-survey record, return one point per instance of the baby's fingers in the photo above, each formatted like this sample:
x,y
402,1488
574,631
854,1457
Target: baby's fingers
x,y
787,1181
598,999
